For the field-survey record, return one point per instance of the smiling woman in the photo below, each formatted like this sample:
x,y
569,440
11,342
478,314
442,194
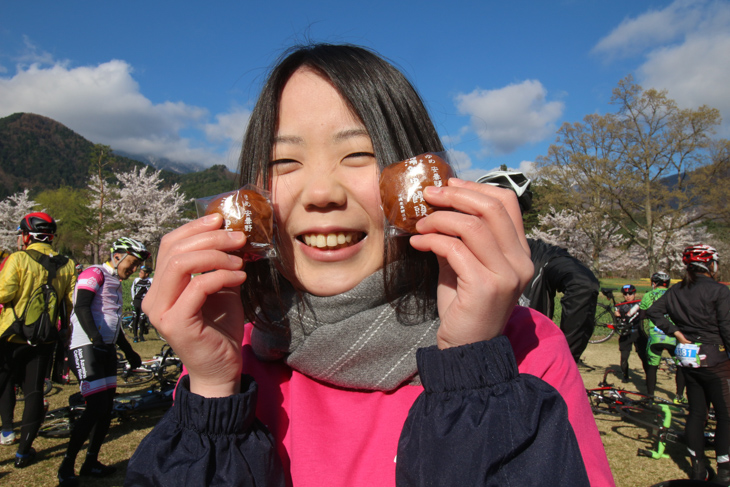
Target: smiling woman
x,y
361,347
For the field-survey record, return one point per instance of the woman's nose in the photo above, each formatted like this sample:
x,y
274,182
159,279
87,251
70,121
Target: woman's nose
x,y
323,190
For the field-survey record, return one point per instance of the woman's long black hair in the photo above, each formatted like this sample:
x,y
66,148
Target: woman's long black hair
x,y
399,127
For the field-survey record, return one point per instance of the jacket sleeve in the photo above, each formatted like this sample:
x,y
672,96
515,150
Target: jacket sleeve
x,y
479,422
723,315
9,280
208,441
82,308
579,286
656,313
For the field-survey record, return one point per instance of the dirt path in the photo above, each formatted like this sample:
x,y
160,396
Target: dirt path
x,y
621,439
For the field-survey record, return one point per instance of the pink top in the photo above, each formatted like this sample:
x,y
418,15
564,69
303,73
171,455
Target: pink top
x,y
330,436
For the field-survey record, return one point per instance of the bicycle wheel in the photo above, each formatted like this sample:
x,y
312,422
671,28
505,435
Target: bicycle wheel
x,y
57,428
59,422
652,417
159,336
603,327
134,377
127,319
603,401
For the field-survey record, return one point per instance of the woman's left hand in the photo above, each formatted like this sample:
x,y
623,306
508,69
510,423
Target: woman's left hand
x,y
484,258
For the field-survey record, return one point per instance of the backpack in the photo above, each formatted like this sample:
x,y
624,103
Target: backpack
x,y
37,323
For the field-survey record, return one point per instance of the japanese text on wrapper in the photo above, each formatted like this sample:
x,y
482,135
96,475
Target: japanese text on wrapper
x,y
247,223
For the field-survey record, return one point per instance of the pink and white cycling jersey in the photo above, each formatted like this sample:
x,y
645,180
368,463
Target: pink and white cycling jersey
x,y
106,308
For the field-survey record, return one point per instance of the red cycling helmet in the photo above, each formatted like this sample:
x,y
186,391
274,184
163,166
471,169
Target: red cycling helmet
x,y
700,254
40,226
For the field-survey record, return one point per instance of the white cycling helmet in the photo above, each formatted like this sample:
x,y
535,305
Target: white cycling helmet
x,y
514,180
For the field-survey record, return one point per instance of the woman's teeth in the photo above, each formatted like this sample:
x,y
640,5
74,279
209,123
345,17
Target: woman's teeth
x,y
331,240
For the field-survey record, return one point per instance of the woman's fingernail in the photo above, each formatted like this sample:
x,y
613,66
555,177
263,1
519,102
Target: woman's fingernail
x,y
235,236
432,190
456,182
211,218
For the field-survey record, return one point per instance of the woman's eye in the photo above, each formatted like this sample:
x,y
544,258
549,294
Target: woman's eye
x,y
360,158
283,166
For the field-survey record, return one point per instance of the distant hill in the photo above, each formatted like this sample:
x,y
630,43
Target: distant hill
x,y
163,163
38,153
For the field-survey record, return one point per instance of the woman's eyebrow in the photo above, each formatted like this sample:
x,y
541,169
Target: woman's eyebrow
x,y
350,133
288,139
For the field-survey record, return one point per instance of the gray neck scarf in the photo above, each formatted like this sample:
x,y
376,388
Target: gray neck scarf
x,y
352,340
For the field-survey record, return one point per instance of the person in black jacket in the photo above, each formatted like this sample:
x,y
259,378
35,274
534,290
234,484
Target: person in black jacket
x,y
556,271
140,286
699,309
631,332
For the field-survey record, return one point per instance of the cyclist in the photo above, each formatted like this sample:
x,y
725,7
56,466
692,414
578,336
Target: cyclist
x,y
96,320
140,286
21,275
699,309
658,340
555,271
630,333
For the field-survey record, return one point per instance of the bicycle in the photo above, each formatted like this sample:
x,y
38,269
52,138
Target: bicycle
x,y
608,399
663,418
128,320
607,324
60,422
165,365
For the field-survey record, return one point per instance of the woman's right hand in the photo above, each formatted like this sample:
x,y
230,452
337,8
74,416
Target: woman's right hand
x,y
681,338
201,317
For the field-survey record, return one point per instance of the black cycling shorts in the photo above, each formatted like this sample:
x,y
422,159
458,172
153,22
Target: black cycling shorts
x,y
95,368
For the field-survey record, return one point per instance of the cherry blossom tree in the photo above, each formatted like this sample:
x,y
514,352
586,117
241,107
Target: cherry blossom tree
x,y
145,210
593,239
639,165
12,210
599,244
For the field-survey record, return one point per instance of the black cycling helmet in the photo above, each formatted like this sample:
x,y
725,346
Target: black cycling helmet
x,y
628,289
145,268
40,226
660,278
514,180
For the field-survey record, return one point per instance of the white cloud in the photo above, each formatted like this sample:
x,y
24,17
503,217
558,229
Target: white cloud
x,y
691,61
509,117
229,126
461,162
652,28
104,104
32,54
527,168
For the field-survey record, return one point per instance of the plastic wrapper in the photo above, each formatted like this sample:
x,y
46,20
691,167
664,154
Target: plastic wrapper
x,y
401,190
247,210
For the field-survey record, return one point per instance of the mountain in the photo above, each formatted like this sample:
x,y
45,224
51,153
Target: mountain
x,y
164,163
38,153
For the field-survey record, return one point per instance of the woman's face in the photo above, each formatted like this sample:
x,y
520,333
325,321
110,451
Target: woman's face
x,y
325,189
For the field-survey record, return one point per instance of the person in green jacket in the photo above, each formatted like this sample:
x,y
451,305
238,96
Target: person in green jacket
x,y
658,340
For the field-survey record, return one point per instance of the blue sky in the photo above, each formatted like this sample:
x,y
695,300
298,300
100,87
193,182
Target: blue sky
x,y
177,79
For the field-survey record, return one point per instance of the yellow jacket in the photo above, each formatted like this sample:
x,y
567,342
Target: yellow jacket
x,y
21,275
